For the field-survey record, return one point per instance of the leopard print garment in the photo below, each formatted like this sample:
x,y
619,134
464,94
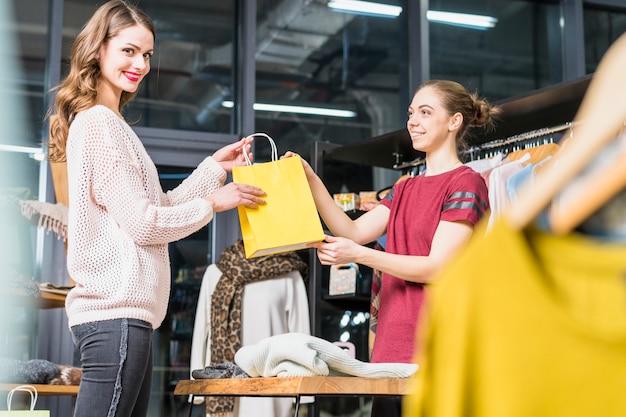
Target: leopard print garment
x,y
237,271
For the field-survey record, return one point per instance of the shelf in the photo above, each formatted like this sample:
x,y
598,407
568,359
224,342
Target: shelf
x,y
45,389
349,302
45,301
383,151
542,108
547,107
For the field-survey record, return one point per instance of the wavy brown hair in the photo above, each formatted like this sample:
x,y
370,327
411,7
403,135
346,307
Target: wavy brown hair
x,y
476,111
79,91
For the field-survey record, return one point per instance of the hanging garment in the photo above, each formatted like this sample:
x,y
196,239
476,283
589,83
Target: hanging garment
x,y
485,164
268,307
498,194
52,217
525,324
226,300
609,220
518,168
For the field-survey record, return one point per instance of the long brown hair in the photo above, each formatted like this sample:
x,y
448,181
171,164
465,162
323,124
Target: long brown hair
x,y
476,112
79,91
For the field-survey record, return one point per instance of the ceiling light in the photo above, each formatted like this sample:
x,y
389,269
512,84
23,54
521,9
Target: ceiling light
x,y
281,108
473,21
365,8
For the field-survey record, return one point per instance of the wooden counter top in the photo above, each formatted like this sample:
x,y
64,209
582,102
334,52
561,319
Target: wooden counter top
x,y
45,389
294,386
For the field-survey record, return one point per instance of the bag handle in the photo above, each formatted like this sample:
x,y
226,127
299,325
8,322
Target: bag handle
x,y
25,388
272,144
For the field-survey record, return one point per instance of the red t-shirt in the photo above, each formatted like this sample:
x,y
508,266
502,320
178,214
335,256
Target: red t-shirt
x,y
417,206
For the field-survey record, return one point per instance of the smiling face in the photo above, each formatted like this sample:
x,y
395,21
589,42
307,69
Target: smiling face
x,y
429,122
124,62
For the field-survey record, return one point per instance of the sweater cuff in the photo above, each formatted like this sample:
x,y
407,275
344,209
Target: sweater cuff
x,y
214,167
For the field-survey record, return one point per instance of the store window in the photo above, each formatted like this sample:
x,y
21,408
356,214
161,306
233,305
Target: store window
x,y
518,51
30,27
21,92
602,28
191,70
20,88
189,258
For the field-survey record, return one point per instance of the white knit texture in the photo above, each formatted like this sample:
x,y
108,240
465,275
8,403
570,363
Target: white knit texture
x,y
120,221
298,354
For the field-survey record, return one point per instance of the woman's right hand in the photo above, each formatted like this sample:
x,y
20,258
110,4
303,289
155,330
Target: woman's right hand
x,y
233,195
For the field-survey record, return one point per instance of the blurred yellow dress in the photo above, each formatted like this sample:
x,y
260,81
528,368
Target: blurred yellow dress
x,y
525,324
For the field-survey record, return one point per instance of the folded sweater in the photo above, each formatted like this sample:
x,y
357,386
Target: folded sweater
x,y
297,354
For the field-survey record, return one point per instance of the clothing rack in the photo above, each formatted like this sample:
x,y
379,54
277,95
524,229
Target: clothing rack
x,y
524,140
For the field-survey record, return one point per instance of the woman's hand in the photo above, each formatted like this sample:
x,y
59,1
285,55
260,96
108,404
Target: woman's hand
x,y
336,250
307,168
232,195
233,154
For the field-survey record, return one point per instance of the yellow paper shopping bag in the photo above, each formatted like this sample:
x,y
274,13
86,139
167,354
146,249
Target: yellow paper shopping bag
x,y
289,219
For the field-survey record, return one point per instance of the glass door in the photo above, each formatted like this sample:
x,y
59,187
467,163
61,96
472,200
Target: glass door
x,y
189,258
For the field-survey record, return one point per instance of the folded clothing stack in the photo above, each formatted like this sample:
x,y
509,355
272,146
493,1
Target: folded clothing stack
x,y
297,354
38,371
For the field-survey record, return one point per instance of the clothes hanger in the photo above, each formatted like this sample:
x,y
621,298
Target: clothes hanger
x,y
603,183
541,152
597,123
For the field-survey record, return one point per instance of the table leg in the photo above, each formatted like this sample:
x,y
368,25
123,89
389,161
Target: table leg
x,y
297,406
190,406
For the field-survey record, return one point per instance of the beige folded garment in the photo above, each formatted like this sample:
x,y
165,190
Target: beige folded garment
x,y
52,217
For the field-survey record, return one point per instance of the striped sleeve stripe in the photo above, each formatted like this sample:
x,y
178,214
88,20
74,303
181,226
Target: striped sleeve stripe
x,y
466,200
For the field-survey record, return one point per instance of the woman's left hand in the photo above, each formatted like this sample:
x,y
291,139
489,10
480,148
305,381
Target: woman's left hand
x,y
336,250
307,167
232,155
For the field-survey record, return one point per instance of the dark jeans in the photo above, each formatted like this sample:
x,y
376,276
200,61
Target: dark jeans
x,y
116,357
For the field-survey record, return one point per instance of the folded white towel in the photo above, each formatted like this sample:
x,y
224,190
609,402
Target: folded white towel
x,y
297,354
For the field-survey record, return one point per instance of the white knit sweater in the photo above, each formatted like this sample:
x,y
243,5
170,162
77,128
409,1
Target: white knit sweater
x,y
120,221
297,354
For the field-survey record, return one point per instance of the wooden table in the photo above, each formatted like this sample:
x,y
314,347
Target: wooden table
x,y
294,387
45,300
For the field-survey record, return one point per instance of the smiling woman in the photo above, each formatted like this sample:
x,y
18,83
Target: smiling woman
x,y
124,61
89,81
426,219
120,220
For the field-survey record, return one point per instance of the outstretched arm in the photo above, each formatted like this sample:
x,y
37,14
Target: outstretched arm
x,y
449,238
365,229
232,195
